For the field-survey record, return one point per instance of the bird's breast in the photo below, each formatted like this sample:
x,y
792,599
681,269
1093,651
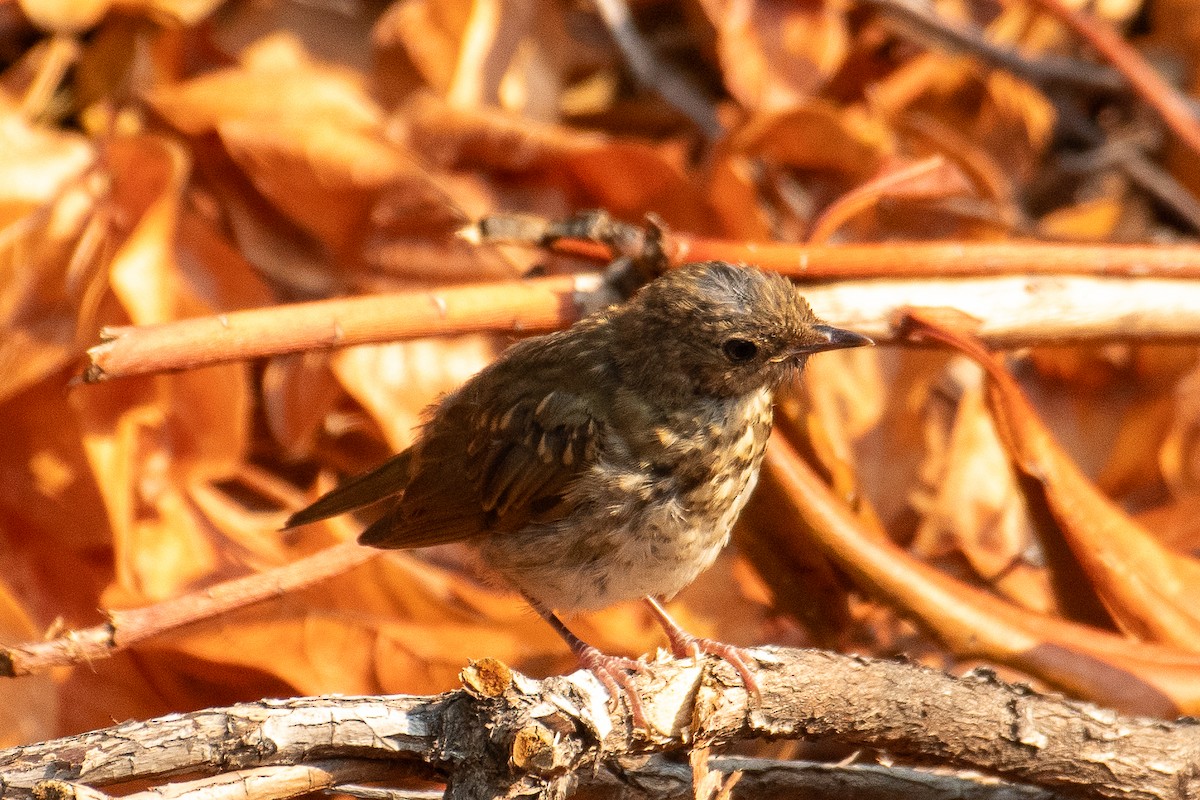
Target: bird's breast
x,y
650,520
715,479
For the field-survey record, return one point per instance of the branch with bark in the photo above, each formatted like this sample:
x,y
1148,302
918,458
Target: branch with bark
x,y
1022,293
506,735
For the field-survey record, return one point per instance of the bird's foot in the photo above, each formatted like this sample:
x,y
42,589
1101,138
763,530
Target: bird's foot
x,y
687,645
614,673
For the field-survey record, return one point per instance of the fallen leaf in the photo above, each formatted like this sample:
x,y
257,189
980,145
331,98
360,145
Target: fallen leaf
x,y
978,511
1149,590
1105,668
777,54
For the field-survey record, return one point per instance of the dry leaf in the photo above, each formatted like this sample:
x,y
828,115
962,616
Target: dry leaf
x,y
49,242
28,706
1149,590
627,178
65,16
978,511
931,179
277,83
1108,669
777,54
397,382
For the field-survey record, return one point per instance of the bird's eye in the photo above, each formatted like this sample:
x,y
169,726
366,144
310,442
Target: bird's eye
x,y
739,351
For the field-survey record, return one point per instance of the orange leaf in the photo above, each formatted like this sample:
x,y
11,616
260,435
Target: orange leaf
x,y
776,53
978,511
278,83
1150,591
28,706
931,178
1133,676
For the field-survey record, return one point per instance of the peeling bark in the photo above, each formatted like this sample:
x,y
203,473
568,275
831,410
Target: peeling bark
x,y
506,735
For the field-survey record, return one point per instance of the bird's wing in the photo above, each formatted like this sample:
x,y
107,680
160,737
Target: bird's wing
x,y
378,484
491,468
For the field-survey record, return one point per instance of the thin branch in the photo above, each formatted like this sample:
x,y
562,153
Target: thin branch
x,y
525,306
126,628
1014,311
593,234
506,735
547,303
921,21
258,783
1024,311
1129,156
944,259
664,778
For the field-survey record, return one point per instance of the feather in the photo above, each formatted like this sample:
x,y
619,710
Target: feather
x,y
371,487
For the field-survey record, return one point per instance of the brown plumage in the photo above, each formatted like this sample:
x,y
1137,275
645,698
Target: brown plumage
x,y
608,461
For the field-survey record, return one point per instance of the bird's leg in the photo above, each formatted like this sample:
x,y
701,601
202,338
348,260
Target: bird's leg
x,y
685,645
611,671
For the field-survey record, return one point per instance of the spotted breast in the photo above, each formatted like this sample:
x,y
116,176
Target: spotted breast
x,y
650,515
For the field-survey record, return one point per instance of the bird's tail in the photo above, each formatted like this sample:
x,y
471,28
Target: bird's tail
x,y
384,481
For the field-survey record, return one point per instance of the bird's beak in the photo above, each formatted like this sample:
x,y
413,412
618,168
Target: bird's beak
x,y
835,339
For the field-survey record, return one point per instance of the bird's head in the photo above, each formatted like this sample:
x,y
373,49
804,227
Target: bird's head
x,y
720,330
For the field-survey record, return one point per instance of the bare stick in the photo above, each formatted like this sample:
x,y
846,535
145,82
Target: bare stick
x,y
593,234
534,305
1015,311
944,259
128,627
259,783
656,75
921,21
1022,311
666,778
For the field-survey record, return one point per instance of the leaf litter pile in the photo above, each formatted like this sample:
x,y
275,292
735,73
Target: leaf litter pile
x,y
1002,192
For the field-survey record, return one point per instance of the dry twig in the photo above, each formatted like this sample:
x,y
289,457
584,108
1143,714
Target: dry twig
x,y
1013,311
126,628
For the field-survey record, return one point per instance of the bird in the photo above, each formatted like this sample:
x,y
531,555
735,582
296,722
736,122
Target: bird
x,y
608,461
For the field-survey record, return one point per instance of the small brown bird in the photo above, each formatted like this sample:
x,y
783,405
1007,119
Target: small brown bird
x,y
608,461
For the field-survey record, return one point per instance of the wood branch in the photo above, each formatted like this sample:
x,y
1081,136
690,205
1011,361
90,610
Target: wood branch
x,y
1031,277
506,735
523,306
595,234
666,778
1021,311
126,628
929,260
1014,311
1164,99
657,75
260,783
922,22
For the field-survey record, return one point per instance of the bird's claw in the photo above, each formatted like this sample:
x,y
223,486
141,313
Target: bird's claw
x,y
613,672
685,645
